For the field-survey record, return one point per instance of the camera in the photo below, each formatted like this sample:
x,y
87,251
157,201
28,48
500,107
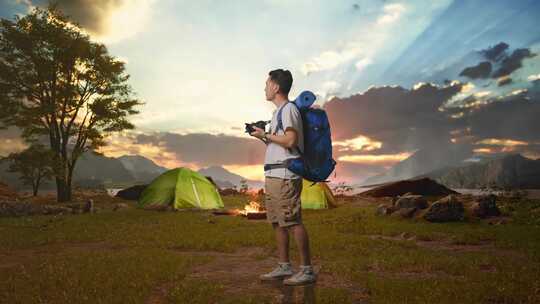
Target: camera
x,y
259,124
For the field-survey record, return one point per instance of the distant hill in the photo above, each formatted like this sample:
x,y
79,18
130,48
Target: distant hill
x,y
423,161
91,166
142,168
512,171
227,179
93,170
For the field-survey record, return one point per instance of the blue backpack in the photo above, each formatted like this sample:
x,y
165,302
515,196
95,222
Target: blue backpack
x,y
315,162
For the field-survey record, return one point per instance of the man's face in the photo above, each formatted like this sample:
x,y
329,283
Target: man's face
x,y
271,89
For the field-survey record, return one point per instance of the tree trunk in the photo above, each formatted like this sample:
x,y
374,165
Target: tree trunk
x,y
63,183
62,193
36,186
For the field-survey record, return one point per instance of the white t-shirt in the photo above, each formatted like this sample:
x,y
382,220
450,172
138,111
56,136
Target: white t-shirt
x,y
275,154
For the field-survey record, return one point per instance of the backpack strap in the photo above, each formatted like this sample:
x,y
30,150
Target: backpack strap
x,y
284,164
280,125
279,119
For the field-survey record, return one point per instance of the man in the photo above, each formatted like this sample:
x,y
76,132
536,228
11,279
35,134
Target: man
x,y
283,187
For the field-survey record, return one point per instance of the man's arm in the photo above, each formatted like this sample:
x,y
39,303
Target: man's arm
x,y
288,140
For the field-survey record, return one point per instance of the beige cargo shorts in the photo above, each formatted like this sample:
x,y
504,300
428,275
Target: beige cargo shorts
x,y
282,201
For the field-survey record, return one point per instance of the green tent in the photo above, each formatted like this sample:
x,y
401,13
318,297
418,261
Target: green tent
x,y
181,188
318,196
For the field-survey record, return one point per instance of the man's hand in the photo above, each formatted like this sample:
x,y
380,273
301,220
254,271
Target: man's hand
x,y
259,133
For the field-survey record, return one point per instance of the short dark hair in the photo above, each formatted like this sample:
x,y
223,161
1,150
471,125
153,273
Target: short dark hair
x,y
283,78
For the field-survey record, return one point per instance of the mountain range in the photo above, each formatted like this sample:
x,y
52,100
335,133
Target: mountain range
x,y
94,170
512,171
422,162
226,179
509,171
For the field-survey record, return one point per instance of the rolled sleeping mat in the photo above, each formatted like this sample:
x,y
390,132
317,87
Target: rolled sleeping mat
x,y
305,99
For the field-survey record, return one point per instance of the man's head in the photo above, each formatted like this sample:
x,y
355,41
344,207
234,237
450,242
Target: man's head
x,y
279,82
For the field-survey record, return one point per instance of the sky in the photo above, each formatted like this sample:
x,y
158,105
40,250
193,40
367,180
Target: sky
x,y
395,77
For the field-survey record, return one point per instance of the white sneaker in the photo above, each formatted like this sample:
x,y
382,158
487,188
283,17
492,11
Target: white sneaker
x,y
306,275
281,271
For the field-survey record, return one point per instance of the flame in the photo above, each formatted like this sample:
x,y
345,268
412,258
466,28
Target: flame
x,y
251,207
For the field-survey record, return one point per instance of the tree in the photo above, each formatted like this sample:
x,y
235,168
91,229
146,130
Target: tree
x,y
34,164
58,84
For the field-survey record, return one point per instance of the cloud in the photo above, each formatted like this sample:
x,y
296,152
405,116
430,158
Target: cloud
x,y
356,172
331,59
106,20
207,149
402,120
481,70
503,64
502,142
360,48
513,62
533,77
495,53
392,12
511,117
387,159
328,89
505,80
359,143
362,63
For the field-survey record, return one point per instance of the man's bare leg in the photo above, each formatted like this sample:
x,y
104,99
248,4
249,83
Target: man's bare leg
x,y
284,268
302,242
282,241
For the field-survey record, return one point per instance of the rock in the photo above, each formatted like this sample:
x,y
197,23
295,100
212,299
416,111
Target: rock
x,y
383,209
120,206
50,209
405,212
412,201
446,209
405,235
24,209
14,208
485,206
421,186
89,206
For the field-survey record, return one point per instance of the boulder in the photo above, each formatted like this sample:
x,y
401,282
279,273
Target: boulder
x,y
383,209
407,212
446,209
89,206
51,209
15,209
411,201
421,186
485,206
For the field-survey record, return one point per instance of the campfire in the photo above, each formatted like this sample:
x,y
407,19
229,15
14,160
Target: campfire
x,y
253,211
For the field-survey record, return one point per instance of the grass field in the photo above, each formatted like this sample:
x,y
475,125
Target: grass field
x,y
137,256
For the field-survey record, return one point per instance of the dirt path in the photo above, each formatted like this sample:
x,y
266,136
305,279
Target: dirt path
x,y
238,273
